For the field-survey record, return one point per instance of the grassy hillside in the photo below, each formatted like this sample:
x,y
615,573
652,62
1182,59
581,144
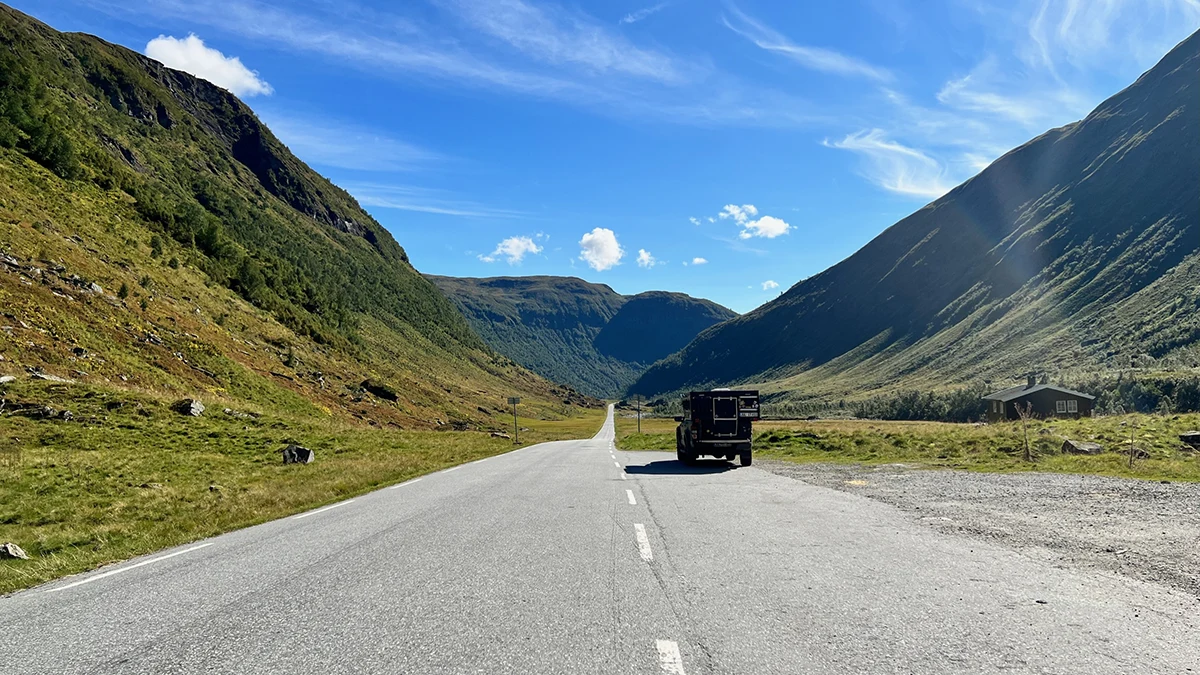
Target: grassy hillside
x,y
582,334
1077,253
223,266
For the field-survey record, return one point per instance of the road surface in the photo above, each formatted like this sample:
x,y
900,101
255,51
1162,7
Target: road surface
x,y
572,557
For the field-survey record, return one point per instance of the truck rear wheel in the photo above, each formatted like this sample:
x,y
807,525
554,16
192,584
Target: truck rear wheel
x,y
684,457
746,458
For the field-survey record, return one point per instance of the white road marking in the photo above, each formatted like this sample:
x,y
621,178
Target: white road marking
x,y
623,476
453,469
321,510
669,658
617,464
643,541
629,493
394,487
126,569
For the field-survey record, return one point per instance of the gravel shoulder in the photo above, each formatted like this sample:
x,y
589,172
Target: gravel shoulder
x,y
1145,530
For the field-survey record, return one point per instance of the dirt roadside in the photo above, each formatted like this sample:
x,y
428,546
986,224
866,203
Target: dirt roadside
x,y
1145,530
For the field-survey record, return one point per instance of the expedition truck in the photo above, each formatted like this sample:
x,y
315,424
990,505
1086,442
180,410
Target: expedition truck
x,y
716,423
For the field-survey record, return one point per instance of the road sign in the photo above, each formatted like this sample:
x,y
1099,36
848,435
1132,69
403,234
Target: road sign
x,y
513,400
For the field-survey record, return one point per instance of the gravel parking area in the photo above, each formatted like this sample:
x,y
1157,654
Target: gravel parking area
x,y
1145,530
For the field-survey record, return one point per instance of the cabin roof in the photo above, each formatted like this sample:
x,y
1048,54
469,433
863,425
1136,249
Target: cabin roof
x,y
1013,393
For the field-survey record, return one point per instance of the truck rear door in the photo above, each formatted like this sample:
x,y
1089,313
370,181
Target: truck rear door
x,y
725,416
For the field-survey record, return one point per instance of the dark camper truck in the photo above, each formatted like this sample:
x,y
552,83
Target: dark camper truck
x,y
716,423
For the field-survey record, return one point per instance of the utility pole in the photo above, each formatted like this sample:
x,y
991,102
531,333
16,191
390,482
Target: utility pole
x,y
639,410
516,430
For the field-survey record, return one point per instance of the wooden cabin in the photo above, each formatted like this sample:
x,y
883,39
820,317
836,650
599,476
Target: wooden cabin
x,y
1047,401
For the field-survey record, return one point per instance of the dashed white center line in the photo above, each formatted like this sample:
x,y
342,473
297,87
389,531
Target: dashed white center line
x,y
617,464
669,658
321,510
394,487
126,569
643,541
623,476
629,493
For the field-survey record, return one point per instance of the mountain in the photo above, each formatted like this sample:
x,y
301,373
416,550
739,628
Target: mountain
x,y
157,236
582,334
1077,251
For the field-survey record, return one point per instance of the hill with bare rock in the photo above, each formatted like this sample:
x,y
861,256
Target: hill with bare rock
x,y
1076,253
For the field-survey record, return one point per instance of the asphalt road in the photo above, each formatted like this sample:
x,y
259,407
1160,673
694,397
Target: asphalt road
x,y
571,557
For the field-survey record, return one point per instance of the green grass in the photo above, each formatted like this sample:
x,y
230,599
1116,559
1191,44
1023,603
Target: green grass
x,y
995,448
129,476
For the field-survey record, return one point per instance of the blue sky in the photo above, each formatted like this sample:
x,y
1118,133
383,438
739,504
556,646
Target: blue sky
x,y
723,149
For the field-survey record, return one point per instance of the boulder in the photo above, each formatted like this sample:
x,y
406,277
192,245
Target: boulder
x,y
11,550
190,407
500,434
1071,447
1192,438
298,454
5,379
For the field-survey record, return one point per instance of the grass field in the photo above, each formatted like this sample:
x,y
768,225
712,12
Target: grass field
x,y
997,447
129,476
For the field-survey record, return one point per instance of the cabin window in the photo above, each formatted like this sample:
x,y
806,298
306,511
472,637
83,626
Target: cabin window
x,y
995,406
1060,406
1073,406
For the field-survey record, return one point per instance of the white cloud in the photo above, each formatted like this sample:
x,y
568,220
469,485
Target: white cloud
x,y
192,56
694,220
767,227
711,219
769,285
740,214
895,167
513,249
634,17
645,259
600,250
699,261
814,58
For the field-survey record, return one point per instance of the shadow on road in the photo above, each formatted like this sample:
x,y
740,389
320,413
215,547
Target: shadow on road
x,y
671,466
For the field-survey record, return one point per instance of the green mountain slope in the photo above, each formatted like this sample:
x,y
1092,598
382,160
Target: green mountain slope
x,y
1075,252
582,334
221,262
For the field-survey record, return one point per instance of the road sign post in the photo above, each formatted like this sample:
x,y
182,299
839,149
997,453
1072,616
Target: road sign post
x,y
514,400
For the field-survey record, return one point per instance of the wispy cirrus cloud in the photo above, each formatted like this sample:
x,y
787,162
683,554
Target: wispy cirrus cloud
x,y
896,167
813,58
345,145
558,36
544,51
424,200
636,16
1052,62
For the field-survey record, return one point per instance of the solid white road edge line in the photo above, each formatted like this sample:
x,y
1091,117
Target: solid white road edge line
x,y
321,510
629,493
407,482
669,658
126,569
643,541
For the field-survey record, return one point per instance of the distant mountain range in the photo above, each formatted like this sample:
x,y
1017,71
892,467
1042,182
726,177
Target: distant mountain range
x,y
1077,251
578,333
